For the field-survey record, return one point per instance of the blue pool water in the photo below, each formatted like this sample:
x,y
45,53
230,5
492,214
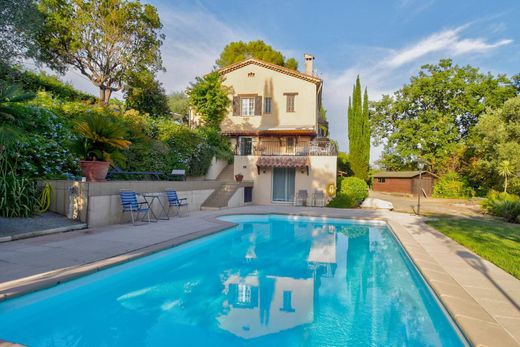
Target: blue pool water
x,y
270,281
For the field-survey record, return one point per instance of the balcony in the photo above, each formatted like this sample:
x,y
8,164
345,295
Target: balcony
x,y
318,147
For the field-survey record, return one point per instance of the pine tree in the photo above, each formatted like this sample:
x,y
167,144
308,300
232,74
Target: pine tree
x,y
359,132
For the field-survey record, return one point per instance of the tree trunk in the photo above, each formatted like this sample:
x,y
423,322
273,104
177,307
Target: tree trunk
x,y
108,94
102,94
505,184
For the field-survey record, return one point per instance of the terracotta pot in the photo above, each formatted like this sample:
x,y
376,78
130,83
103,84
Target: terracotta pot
x,y
239,177
94,171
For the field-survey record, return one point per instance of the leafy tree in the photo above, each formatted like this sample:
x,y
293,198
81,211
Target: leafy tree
x,y
179,105
359,132
344,164
20,23
432,116
505,170
209,98
323,123
495,140
106,40
235,52
146,94
515,80
13,116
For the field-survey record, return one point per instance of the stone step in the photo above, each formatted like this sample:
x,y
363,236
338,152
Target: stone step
x,y
226,175
220,197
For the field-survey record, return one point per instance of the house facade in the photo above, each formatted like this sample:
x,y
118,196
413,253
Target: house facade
x,y
274,129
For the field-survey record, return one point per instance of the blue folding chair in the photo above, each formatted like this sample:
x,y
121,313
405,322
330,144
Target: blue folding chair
x,y
130,204
174,201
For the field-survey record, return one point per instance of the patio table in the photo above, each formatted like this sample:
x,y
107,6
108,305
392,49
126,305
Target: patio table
x,y
150,198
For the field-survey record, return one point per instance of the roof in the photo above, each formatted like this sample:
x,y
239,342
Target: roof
x,y
400,174
283,161
277,68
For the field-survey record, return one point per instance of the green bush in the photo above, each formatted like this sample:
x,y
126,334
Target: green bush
x,y
452,186
18,194
503,205
351,191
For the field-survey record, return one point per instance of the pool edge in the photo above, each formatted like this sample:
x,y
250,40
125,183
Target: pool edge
x,y
459,304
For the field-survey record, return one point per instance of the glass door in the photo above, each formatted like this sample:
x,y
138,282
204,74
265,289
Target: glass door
x,y
283,184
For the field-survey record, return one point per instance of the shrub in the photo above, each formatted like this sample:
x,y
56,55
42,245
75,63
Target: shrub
x,y
351,191
452,186
18,194
503,205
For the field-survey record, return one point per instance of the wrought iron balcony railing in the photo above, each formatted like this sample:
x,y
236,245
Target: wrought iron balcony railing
x,y
277,148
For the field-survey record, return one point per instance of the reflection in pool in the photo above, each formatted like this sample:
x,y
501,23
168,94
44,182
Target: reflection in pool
x,y
270,281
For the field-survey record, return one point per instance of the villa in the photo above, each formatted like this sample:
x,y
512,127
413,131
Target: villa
x,y
274,129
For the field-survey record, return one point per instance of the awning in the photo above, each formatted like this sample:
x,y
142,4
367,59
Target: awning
x,y
283,161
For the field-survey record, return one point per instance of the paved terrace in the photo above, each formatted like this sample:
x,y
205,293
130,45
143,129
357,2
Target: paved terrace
x,y
483,299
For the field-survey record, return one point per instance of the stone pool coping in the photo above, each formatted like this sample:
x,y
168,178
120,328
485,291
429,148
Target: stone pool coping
x,y
477,324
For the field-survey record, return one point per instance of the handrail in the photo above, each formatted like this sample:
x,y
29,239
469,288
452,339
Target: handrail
x,y
278,148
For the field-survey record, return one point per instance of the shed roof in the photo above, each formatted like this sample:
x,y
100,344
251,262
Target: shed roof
x,y
399,174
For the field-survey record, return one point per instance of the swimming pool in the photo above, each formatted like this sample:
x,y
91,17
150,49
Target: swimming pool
x,y
271,281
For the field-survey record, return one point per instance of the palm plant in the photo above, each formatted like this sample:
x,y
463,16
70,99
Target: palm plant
x,y
12,116
505,170
101,138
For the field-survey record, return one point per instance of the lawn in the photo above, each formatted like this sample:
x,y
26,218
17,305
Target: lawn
x,y
495,241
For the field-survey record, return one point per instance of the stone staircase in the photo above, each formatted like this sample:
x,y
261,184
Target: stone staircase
x,y
226,175
220,197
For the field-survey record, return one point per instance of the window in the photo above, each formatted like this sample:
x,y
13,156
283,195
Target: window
x,y
290,102
246,146
244,294
380,180
247,106
267,105
290,144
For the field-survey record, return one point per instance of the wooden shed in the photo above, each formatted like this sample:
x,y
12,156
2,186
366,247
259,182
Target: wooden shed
x,y
404,182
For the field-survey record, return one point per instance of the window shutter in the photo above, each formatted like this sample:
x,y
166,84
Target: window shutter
x,y
258,105
236,106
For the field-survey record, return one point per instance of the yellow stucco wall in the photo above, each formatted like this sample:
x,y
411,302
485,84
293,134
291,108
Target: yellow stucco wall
x,y
322,171
254,79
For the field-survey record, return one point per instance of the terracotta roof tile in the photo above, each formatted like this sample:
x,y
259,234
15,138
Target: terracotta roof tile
x,y
283,161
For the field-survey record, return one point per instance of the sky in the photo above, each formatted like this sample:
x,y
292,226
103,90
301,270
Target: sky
x,y
385,42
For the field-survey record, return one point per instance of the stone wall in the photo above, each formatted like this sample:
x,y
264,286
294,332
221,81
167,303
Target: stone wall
x,y
98,204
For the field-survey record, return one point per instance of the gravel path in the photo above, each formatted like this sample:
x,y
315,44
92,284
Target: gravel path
x,y
48,220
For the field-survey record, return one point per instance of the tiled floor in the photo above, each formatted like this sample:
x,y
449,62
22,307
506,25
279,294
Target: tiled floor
x,y
483,299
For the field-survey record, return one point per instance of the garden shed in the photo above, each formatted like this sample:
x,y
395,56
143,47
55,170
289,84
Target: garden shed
x,y
404,182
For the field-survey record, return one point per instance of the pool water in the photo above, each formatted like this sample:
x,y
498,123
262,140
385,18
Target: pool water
x,y
271,281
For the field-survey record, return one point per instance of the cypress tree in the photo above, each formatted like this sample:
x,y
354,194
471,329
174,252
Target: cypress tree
x,y
359,132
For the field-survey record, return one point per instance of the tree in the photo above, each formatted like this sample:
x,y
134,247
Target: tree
x,y
20,23
495,141
209,98
515,81
235,52
179,105
359,132
145,94
505,170
431,117
323,123
13,116
106,40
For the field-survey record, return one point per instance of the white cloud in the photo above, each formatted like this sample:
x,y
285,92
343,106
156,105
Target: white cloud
x,y
194,39
448,41
384,71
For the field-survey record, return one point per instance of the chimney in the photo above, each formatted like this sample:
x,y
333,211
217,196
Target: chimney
x,y
309,62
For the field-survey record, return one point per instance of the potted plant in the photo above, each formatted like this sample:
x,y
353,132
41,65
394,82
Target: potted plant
x,y
101,137
239,177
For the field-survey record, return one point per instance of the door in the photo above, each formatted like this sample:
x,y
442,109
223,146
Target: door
x,y
246,146
283,184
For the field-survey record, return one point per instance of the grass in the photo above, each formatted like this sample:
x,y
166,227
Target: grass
x,y
496,241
